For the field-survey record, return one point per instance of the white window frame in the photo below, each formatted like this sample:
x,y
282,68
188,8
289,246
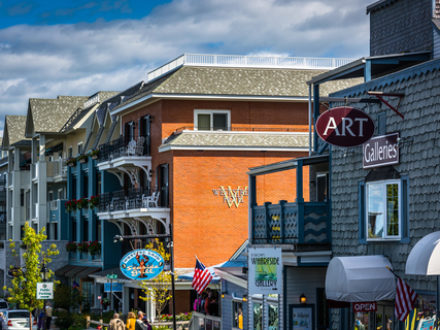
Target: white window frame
x,y
211,112
399,189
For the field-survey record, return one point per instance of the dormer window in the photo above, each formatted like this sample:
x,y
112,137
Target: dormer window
x,y
212,120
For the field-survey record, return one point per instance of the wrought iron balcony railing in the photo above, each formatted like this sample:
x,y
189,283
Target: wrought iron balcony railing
x,y
127,200
121,147
291,223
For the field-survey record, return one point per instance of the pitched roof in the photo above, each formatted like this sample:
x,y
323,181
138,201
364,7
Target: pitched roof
x,y
222,81
236,140
49,115
13,130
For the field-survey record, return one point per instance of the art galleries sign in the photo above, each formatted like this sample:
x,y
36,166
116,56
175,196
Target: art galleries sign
x,y
381,151
344,126
265,270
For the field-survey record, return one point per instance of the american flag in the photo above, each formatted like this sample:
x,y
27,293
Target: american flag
x,y
405,299
201,278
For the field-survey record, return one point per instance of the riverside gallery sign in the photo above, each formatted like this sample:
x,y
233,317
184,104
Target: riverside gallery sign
x,y
344,126
381,151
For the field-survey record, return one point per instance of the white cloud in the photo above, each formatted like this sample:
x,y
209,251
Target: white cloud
x,y
46,61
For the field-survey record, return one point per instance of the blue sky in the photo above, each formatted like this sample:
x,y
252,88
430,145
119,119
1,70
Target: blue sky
x,y
51,48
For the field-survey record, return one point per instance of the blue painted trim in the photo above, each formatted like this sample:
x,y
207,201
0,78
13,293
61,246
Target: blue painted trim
x,y
315,114
299,182
361,208
367,70
389,79
311,264
404,188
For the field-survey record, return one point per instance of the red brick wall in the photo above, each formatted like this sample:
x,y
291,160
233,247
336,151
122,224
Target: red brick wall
x,y
204,225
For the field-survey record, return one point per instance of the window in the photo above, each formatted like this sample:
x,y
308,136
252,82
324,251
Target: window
x,y
70,152
383,210
321,187
212,120
80,148
237,310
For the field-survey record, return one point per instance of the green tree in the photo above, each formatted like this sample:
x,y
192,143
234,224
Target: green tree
x,y
158,288
24,284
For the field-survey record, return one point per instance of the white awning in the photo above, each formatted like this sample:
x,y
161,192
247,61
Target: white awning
x,y
359,279
424,258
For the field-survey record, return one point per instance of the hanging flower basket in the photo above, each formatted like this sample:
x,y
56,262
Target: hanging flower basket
x,y
71,247
82,203
70,205
94,154
82,159
71,162
94,201
83,247
95,248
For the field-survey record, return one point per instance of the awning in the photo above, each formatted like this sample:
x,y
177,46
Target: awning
x,y
424,258
359,279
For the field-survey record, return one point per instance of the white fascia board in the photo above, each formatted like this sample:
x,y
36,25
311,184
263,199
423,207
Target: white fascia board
x,y
231,278
209,97
232,148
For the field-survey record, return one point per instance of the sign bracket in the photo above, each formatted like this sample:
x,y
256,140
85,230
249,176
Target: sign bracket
x,y
380,96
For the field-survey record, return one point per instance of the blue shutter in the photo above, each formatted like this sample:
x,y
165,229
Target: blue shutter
x,y
404,191
362,218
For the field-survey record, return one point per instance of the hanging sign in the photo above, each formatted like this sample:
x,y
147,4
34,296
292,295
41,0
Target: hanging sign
x,y
381,151
45,290
344,126
113,287
141,264
265,270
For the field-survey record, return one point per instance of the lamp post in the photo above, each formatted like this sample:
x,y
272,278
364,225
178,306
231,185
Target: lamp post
x,y
169,237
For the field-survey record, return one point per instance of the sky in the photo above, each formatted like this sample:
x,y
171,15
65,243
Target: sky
x,y
78,47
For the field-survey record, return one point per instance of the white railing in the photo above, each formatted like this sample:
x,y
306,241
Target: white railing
x,y
53,205
56,168
249,61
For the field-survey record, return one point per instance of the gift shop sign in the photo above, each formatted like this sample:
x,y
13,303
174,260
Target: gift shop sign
x,y
381,151
142,264
344,126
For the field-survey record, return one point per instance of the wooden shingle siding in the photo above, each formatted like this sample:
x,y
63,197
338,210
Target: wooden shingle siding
x,y
401,26
419,161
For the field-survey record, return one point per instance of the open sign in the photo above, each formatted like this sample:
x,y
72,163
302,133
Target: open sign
x,y
344,126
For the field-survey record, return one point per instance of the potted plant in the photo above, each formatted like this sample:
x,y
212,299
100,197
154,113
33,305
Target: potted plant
x,y
82,159
71,162
94,154
94,201
70,205
82,203
95,248
71,247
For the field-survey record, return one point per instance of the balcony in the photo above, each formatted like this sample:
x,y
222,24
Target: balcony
x,y
304,225
125,157
291,223
56,171
57,211
134,208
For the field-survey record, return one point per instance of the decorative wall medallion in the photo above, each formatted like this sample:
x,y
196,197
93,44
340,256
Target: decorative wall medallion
x,y
231,196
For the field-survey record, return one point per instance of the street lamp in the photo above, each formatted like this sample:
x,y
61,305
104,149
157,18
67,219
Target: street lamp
x,y
120,238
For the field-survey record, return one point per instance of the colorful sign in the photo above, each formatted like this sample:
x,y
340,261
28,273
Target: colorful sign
x,y
302,317
45,290
231,196
265,270
344,126
369,306
381,151
141,264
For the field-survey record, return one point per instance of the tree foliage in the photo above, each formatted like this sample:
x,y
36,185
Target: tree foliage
x,y
158,288
24,284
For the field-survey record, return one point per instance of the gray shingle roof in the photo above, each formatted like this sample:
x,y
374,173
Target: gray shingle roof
x,y
14,130
233,140
253,82
49,115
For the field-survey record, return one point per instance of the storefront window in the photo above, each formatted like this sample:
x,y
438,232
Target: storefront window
x,y
361,321
273,317
258,316
383,210
385,316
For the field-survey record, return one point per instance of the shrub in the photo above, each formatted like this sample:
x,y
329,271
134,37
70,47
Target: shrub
x,y
71,247
95,248
83,246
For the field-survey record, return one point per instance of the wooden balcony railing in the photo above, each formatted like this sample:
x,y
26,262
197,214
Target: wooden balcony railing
x,y
291,223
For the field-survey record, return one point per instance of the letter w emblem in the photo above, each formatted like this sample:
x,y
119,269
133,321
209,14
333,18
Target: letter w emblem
x,y
233,196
